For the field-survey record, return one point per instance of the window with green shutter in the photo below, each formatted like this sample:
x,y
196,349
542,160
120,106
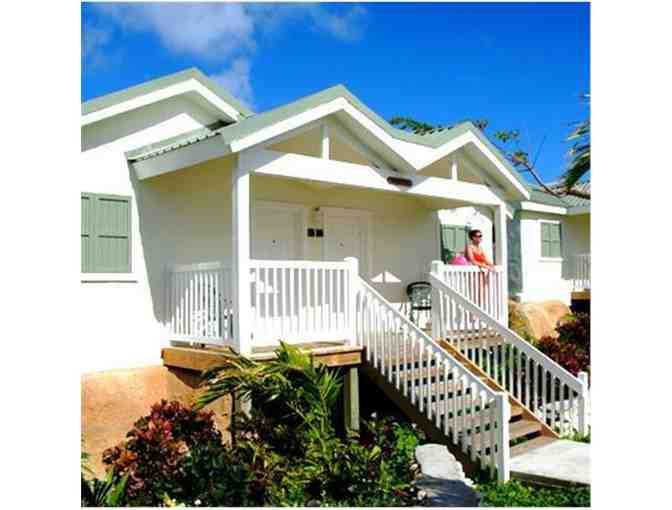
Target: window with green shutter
x,y
453,240
106,233
551,240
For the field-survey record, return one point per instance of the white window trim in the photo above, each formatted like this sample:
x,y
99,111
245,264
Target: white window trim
x,y
562,243
108,278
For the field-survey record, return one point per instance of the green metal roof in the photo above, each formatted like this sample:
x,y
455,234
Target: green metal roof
x,y
108,100
570,202
256,122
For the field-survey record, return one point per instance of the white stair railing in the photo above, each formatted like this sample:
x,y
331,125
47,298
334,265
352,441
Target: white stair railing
x,y
485,289
400,352
581,278
198,302
545,388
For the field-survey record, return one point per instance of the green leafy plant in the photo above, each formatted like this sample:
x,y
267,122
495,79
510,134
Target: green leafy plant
x,y
518,494
290,443
109,492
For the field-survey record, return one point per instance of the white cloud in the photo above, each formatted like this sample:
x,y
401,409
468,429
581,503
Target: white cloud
x,y
207,30
236,80
219,31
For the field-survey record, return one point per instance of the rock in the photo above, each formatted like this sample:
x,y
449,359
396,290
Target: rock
x,y
443,478
542,318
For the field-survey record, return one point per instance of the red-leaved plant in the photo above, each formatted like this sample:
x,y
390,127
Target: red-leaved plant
x,y
154,450
571,349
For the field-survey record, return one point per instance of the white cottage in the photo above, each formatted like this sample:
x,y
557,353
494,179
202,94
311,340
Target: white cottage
x,y
204,223
178,176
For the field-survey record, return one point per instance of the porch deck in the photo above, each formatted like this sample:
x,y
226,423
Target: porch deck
x,y
331,353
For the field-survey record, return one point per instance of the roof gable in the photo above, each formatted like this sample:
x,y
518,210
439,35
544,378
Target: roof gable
x,y
381,135
189,80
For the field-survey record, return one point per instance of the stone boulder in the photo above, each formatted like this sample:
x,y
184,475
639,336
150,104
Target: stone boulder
x,y
542,318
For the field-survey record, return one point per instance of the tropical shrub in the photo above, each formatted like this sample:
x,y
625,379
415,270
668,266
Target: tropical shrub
x,y
285,453
154,451
576,330
290,441
571,349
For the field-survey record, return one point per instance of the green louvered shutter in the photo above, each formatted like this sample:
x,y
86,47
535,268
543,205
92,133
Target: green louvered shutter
x,y
106,234
551,241
87,209
453,240
556,246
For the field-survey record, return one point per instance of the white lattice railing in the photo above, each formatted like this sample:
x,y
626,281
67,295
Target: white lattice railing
x,y
557,397
395,347
301,300
485,288
581,278
198,302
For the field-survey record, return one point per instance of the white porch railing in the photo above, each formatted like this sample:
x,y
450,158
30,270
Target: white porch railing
x,y
395,347
556,396
291,300
198,302
487,289
297,300
581,277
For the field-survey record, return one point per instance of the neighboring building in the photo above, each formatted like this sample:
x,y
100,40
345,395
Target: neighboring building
x,y
549,238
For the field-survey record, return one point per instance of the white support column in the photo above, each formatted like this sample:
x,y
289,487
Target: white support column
x,y
353,285
501,257
325,141
436,268
242,320
453,169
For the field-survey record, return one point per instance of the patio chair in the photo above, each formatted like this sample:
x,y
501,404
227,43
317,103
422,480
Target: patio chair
x,y
419,295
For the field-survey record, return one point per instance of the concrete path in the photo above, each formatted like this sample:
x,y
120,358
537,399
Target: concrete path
x,y
559,463
443,479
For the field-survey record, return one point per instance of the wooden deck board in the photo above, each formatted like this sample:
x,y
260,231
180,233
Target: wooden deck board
x,y
332,354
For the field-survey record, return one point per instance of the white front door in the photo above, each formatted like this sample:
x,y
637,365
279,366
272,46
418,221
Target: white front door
x,y
346,235
275,233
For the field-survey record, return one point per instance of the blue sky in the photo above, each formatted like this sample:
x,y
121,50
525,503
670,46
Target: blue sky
x,y
521,66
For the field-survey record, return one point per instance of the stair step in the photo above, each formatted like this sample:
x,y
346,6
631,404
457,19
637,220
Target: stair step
x,y
517,429
531,444
516,411
522,428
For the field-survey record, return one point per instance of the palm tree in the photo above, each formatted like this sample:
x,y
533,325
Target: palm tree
x,y
579,153
292,387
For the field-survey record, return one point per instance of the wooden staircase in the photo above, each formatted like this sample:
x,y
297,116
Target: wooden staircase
x,y
473,384
526,431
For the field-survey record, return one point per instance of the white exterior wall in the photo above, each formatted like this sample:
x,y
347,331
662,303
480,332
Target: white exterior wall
x,y
190,213
121,314
480,218
546,279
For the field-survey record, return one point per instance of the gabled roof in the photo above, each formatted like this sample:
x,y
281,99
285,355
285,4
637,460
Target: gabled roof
x,y
257,122
136,91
